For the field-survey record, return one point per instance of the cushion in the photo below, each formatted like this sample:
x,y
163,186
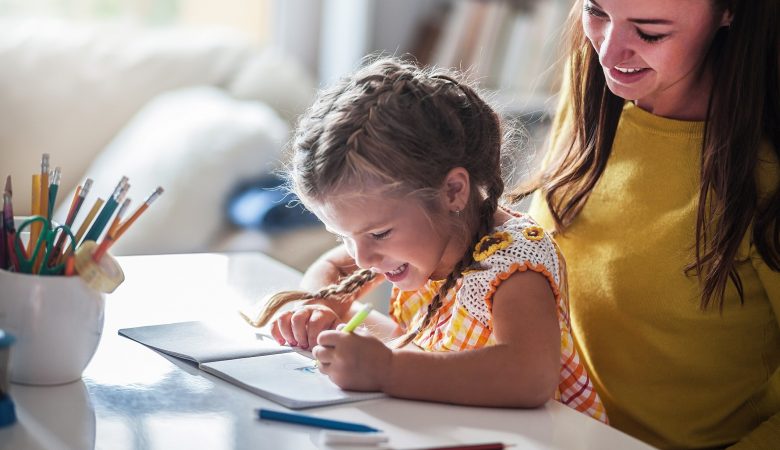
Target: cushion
x,y
67,88
196,143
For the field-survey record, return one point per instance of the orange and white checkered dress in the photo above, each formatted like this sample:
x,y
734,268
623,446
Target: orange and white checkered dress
x,y
464,321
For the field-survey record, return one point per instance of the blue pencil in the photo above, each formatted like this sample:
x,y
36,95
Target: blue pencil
x,y
312,421
105,214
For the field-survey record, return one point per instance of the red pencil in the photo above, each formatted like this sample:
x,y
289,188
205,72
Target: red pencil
x,y
486,446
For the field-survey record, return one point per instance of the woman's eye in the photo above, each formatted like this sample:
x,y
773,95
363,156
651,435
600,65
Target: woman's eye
x,y
650,37
380,236
590,10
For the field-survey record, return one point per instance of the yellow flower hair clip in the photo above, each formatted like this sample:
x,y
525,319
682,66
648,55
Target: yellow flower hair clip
x,y
491,244
533,233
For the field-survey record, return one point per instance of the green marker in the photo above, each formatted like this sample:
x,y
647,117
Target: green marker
x,y
353,323
357,319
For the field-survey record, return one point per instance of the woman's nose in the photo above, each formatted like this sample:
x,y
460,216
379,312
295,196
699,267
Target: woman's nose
x,y
614,47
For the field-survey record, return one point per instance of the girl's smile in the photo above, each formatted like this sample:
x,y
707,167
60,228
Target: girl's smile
x,y
396,237
398,274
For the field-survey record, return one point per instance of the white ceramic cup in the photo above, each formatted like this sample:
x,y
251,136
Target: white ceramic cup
x,y
57,322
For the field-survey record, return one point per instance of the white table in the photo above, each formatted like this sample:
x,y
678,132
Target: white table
x,y
132,397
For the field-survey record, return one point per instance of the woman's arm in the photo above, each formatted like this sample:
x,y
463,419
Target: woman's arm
x,y
521,370
767,434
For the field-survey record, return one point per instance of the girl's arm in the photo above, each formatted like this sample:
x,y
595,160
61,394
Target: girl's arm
x,y
521,370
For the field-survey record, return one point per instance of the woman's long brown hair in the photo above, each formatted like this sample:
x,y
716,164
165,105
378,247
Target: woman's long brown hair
x,y
743,109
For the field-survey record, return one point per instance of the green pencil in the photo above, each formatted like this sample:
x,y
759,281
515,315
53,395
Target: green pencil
x,y
358,318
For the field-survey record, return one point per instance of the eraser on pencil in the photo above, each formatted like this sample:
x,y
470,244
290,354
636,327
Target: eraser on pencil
x,y
330,437
103,276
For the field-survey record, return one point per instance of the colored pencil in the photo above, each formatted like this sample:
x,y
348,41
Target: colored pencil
x,y
84,225
116,233
3,239
3,251
109,237
54,186
44,186
125,225
105,214
73,211
10,229
35,210
70,265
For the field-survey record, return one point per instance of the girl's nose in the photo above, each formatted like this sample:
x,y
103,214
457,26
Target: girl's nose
x,y
365,255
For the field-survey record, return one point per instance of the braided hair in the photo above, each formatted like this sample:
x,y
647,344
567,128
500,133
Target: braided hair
x,y
401,127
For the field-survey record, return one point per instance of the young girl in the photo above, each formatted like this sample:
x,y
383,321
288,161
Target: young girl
x,y
404,166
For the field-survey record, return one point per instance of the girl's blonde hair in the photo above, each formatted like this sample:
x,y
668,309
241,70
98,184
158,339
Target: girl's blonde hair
x,y
401,127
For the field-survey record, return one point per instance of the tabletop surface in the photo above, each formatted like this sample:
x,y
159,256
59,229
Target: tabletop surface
x,y
131,397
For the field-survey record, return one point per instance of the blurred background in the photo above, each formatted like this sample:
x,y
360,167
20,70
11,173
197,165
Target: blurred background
x,y
200,97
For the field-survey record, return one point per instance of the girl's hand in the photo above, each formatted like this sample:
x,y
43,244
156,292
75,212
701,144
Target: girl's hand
x,y
301,326
354,361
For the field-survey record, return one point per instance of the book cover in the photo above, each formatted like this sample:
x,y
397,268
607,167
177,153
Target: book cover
x,y
203,342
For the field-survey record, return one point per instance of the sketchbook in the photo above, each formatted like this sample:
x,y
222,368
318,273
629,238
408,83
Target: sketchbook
x,y
251,360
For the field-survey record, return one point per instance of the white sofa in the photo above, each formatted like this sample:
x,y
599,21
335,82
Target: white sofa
x,y
193,111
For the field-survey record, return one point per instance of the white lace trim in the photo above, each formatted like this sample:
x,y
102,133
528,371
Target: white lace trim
x,y
534,254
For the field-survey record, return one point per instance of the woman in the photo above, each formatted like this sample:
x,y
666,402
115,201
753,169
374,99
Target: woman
x,y
662,185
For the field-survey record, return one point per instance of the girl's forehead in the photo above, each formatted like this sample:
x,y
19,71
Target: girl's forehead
x,y
356,212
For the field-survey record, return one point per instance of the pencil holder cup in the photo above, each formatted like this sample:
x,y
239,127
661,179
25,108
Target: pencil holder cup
x,y
57,322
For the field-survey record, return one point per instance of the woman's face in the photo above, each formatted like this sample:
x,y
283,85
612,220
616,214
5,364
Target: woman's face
x,y
652,51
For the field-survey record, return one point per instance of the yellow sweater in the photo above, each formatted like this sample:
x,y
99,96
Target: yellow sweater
x,y
668,373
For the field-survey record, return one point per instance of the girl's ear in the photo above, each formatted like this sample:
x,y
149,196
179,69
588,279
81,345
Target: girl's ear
x,y
456,189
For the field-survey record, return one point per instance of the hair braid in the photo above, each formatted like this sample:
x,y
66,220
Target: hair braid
x,y
342,291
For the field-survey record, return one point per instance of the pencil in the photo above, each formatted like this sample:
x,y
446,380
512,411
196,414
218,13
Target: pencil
x,y
109,238
105,214
44,186
70,264
8,222
43,209
313,421
3,238
126,224
114,234
82,194
3,252
53,188
55,254
486,446
84,225
75,206
35,210
118,218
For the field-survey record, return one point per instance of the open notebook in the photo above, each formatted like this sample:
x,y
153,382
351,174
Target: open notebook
x,y
253,361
